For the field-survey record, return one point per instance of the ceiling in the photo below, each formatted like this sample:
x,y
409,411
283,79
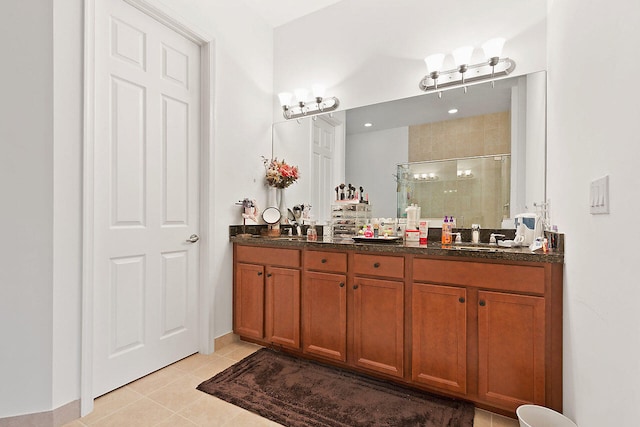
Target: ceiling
x,y
280,12
427,108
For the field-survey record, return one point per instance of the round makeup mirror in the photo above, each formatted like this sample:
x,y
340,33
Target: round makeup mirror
x,y
271,215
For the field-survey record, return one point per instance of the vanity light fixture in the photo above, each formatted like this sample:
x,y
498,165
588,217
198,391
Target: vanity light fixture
x,y
466,73
452,111
304,105
425,176
465,174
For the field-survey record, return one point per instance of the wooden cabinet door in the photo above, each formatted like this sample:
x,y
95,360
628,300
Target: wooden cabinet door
x,y
324,307
282,306
378,328
248,308
511,349
439,336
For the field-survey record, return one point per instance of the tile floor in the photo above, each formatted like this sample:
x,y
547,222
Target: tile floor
x,y
169,398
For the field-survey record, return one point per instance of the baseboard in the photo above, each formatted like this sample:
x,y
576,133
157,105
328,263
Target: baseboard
x,y
54,418
224,340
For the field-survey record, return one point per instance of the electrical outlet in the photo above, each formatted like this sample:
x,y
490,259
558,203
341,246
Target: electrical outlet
x,y
599,196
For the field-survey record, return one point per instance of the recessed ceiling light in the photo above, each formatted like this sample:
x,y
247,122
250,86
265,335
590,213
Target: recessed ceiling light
x,y
368,125
453,111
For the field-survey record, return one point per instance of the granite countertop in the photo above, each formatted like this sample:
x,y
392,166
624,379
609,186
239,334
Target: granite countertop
x,y
464,250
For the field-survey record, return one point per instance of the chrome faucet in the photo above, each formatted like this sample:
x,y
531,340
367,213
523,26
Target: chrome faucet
x,y
493,239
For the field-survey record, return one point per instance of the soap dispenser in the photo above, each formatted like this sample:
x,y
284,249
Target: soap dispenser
x,y
475,233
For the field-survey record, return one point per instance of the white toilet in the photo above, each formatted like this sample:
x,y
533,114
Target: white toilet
x,y
539,416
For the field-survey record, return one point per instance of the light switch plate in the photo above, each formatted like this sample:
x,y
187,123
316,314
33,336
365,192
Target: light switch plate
x,y
599,196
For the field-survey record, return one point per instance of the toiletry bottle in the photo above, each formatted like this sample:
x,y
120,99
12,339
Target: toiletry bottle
x,y
423,226
449,231
368,232
312,234
445,224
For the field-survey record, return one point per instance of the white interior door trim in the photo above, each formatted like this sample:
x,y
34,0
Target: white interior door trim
x,y
206,297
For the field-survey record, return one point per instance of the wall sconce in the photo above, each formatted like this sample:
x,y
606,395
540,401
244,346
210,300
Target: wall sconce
x,y
465,174
465,73
425,176
304,106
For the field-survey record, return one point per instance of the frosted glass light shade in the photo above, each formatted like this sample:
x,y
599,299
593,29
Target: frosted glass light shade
x,y
302,95
285,98
318,91
493,48
462,55
434,62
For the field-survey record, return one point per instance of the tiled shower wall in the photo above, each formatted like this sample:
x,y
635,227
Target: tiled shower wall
x,y
479,200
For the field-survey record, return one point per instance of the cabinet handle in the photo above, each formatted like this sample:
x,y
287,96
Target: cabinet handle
x,y
269,275
355,287
259,273
376,265
461,299
482,303
323,260
342,284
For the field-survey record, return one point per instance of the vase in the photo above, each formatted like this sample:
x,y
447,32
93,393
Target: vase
x,y
282,206
272,197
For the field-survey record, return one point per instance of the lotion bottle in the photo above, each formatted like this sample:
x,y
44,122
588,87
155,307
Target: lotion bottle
x,y
445,225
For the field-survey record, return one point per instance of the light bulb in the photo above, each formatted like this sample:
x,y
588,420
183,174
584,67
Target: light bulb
x,y
301,95
285,98
318,91
493,48
462,55
434,62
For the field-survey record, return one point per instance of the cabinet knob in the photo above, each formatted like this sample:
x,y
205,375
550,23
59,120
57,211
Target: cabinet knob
x,y
482,303
323,260
259,273
342,284
355,287
461,299
376,265
269,275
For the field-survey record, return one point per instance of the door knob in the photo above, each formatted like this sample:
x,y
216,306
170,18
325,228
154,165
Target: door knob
x,y
193,238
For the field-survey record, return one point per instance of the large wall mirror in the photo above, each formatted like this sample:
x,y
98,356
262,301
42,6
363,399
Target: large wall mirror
x,y
498,131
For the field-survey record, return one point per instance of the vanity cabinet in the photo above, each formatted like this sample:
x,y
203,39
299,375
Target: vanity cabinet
x,y
325,305
267,295
325,315
511,349
439,336
359,321
378,313
486,330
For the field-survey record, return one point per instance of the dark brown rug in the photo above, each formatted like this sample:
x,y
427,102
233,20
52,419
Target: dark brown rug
x,y
299,393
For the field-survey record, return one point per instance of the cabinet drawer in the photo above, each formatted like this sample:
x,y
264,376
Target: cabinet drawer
x,y
520,278
379,265
268,256
326,261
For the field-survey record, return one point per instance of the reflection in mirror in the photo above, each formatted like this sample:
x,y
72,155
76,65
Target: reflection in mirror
x,y
475,188
420,129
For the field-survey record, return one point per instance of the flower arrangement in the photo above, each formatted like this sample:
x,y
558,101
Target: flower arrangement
x,y
279,174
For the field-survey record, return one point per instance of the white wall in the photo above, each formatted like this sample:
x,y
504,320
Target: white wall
x,y
372,157
26,165
593,130
368,51
67,198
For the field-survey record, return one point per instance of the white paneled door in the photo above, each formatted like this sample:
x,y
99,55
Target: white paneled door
x,y
146,195
324,136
